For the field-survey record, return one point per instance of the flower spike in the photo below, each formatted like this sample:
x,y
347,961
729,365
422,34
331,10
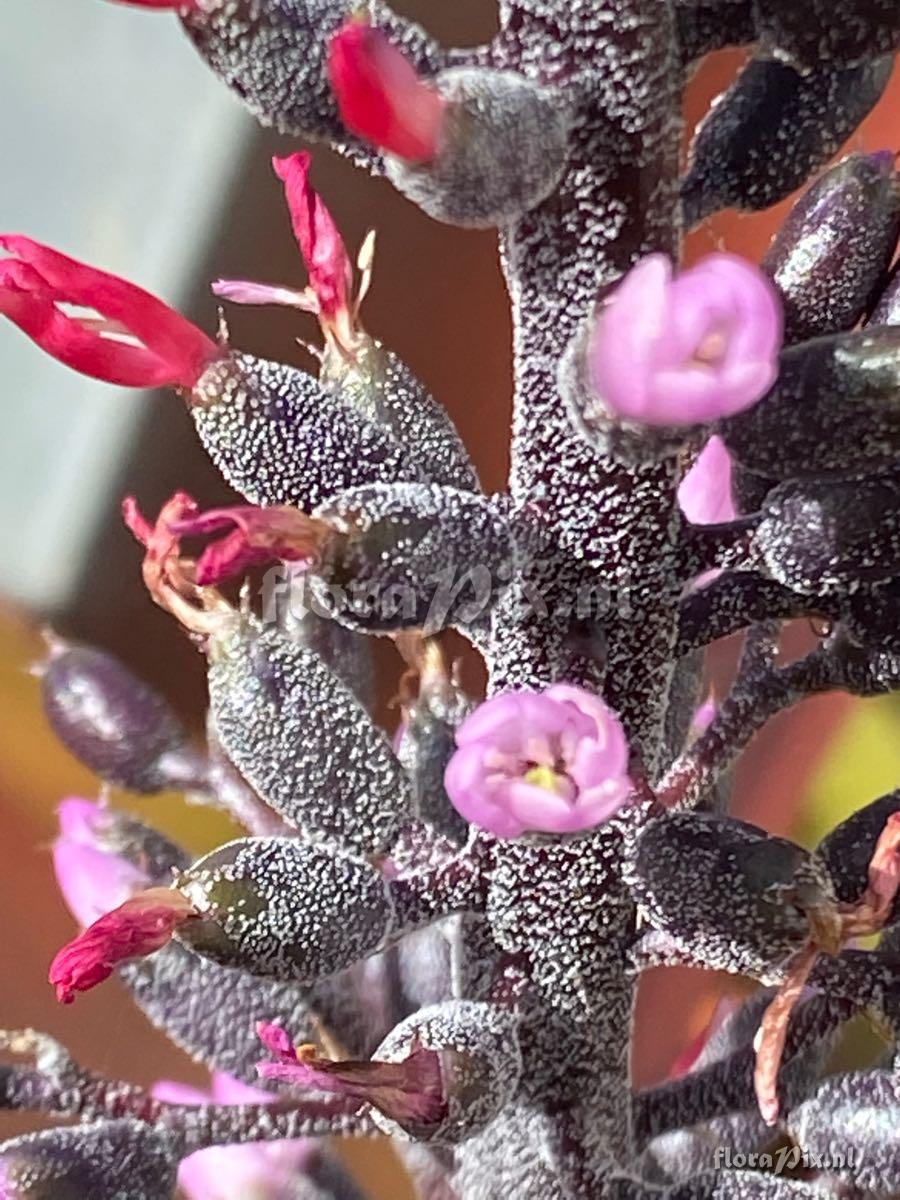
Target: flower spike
x,y
164,348
140,926
380,96
410,1092
258,536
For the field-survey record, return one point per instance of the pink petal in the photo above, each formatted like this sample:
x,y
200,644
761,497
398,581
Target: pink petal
x,y
705,494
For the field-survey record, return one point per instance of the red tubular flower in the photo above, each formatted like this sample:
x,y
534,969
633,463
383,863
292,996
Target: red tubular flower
x,y
140,926
323,250
165,348
258,536
410,1092
380,96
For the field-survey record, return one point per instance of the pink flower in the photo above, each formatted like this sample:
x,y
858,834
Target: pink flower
x,y
690,350
258,536
162,347
140,926
92,879
380,96
410,1092
705,494
265,1171
552,762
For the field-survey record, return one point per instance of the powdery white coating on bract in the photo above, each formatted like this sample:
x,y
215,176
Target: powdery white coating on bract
x,y
303,741
732,895
108,1160
383,389
280,437
281,908
480,1063
503,149
414,556
847,34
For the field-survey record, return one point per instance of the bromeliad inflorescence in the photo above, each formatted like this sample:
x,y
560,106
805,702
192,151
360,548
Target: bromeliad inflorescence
x,y
439,937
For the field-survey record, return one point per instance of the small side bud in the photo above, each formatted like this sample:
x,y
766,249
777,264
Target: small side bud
x,y
829,257
831,535
280,908
112,721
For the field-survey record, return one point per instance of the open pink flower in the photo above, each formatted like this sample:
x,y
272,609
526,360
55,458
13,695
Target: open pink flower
x,y
258,536
160,346
552,762
91,879
410,1092
705,494
687,350
380,96
262,1170
140,926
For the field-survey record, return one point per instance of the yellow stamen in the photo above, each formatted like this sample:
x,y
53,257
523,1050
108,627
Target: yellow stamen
x,y
544,777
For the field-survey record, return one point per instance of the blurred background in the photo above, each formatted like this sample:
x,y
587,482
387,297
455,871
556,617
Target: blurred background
x,y
119,148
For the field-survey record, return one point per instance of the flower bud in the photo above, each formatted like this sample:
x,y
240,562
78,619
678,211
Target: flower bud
x,y
819,536
502,149
334,778
730,894
111,720
284,909
832,252
104,1161
774,126
413,556
834,410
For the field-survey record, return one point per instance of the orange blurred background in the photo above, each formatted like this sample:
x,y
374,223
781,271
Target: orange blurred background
x,y
438,301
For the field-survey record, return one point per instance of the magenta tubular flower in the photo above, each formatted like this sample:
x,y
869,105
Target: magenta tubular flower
x,y
264,1171
705,494
140,926
688,350
410,1092
163,348
548,762
380,96
91,880
257,536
